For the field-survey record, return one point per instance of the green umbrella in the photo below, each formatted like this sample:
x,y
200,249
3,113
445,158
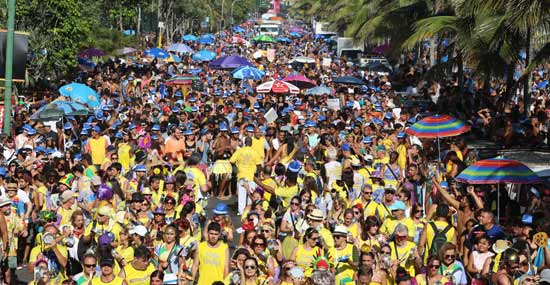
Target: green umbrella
x,y
264,39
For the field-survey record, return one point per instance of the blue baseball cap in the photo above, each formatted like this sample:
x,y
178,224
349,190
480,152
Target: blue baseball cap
x,y
140,168
155,127
398,205
346,147
67,126
234,130
367,139
401,135
96,129
250,129
294,166
220,209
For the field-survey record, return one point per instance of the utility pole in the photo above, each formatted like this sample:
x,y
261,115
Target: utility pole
x,y
9,67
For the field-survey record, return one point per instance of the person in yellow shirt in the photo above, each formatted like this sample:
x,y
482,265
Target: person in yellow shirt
x,y
103,223
287,191
107,275
440,225
211,260
404,251
370,207
259,143
97,146
47,246
346,256
247,161
66,210
398,218
402,150
139,270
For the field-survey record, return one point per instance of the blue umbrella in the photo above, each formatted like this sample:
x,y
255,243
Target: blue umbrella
x,y
59,108
81,93
229,62
205,40
179,47
247,72
173,58
319,90
295,34
129,33
238,30
283,40
189,38
204,55
212,36
348,80
157,52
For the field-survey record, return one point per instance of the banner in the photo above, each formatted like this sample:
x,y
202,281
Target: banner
x,y
20,46
333,104
271,116
326,62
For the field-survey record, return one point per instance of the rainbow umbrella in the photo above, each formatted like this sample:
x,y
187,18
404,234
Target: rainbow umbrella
x,y
498,170
438,126
181,79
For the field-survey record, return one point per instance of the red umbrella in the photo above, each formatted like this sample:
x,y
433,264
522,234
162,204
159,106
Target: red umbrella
x,y
300,81
277,86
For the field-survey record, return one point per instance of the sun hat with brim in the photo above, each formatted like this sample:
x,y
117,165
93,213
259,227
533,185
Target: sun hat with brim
x,y
220,209
340,231
66,196
296,272
105,211
146,191
138,230
501,246
398,205
137,197
4,201
315,215
11,186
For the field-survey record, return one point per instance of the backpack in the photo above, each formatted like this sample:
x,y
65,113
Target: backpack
x,y
439,240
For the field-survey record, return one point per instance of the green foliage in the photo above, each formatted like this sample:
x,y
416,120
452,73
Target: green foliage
x,y
109,40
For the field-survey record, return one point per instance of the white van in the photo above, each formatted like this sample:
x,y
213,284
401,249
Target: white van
x,y
272,30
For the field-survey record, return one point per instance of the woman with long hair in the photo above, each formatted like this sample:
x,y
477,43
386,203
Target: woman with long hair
x,y
304,253
170,244
251,275
369,239
432,275
285,153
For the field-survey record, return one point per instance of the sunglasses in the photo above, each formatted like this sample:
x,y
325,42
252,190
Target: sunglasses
x,y
259,244
529,280
295,203
170,202
89,265
389,192
250,267
314,238
266,231
450,256
385,252
367,193
400,237
435,266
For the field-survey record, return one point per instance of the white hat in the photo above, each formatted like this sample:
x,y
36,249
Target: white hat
x,y
4,201
138,230
545,275
341,230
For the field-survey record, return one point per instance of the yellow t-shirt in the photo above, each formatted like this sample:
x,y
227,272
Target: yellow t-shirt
x,y
97,148
388,226
344,271
124,156
286,192
246,160
37,253
126,253
97,281
258,146
212,261
304,258
402,156
430,234
65,215
138,277
403,253
198,178
113,227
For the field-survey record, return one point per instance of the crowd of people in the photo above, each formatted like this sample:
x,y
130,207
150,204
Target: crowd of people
x,y
141,191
